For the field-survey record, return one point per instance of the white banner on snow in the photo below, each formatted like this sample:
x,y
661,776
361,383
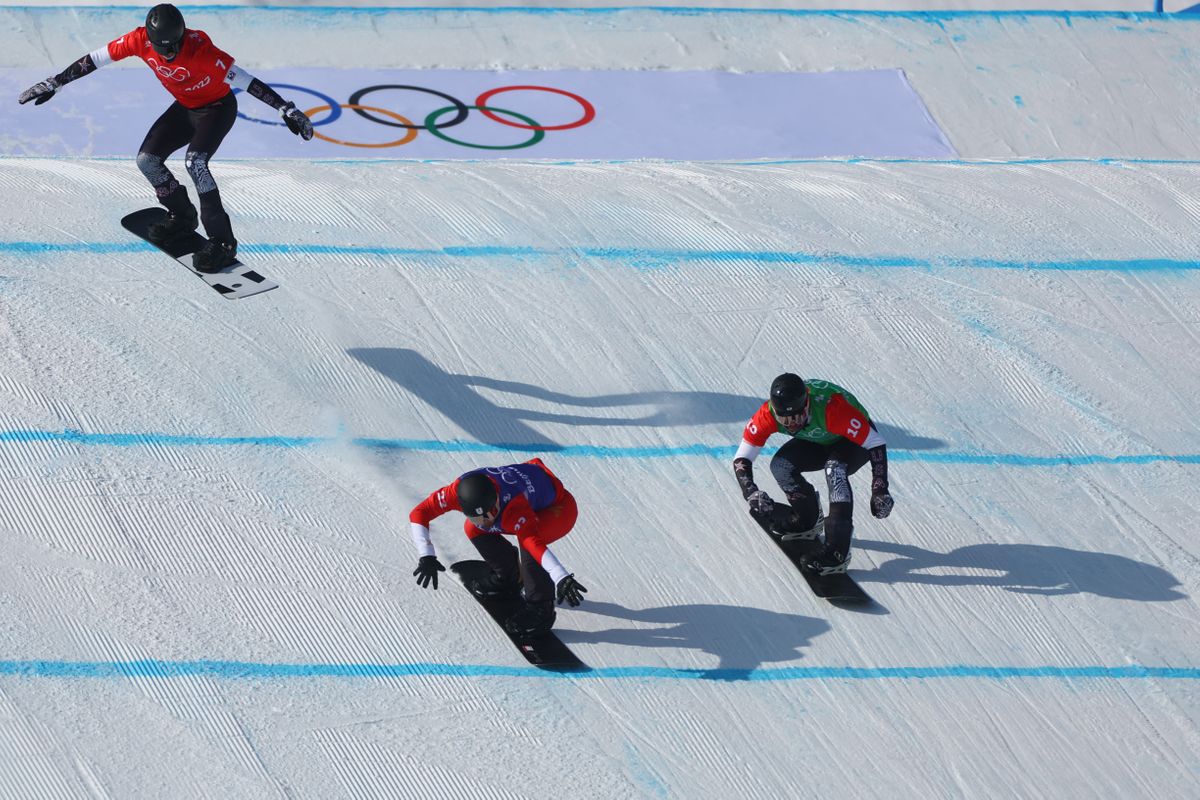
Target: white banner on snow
x,y
454,114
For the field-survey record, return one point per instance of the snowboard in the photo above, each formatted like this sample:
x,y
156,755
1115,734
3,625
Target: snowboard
x,y
840,588
545,650
234,282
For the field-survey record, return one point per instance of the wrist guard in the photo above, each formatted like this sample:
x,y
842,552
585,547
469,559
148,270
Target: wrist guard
x,y
879,476
261,91
76,71
743,470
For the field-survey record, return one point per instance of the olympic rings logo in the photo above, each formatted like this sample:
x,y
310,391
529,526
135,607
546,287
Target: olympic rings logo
x,y
435,122
177,74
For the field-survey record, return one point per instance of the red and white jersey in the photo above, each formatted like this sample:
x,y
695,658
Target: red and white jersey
x,y
516,518
834,414
195,77
518,515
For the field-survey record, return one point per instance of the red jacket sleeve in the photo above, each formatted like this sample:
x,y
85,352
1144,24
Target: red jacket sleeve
x,y
440,502
845,420
131,44
761,426
522,521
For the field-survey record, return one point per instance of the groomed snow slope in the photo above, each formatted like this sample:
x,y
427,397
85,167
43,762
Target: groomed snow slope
x,y
1081,85
207,584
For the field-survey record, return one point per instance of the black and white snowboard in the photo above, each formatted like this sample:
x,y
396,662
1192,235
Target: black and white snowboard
x,y
840,588
544,650
235,281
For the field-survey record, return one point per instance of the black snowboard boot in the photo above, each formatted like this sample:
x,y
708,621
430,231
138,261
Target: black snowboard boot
x,y
531,620
214,256
180,221
495,585
801,518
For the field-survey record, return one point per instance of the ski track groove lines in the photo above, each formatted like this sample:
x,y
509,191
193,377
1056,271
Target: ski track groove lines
x,y
208,579
28,750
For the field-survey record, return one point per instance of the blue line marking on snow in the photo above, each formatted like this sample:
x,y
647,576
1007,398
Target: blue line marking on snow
x,y
648,781
645,257
578,451
153,668
37,248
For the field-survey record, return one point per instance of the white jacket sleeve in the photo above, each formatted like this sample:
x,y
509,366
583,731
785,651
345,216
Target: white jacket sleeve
x,y
422,540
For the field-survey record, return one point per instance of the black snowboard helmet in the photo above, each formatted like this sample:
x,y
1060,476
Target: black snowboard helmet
x,y
476,494
789,395
165,29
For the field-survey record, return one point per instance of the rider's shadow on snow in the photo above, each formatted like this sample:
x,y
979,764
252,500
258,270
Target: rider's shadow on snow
x,y
743,639
900,439
459,399
1025,569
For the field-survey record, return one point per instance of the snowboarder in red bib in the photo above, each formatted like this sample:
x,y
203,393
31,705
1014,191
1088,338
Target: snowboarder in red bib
x,y
830,430
525,500
201,77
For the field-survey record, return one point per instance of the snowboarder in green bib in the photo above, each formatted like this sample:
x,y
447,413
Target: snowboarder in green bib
x,y
830,430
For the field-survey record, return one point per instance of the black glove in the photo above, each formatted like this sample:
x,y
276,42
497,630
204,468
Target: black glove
x,y
761,504
571,591
39,92
881,503
296,121
427,569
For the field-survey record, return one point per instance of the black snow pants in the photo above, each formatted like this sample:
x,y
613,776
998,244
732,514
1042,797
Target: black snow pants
x,y
202,130
839,461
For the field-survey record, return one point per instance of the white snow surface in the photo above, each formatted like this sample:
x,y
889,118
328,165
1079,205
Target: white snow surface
x,y
1001,85
194,484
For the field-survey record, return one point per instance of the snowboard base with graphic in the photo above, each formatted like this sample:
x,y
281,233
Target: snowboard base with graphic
x,y
545,650
234,282
840,588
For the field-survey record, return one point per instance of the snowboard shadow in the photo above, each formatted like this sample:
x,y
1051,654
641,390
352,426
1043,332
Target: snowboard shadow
x,y
1025,569
459,398
742,639
901,439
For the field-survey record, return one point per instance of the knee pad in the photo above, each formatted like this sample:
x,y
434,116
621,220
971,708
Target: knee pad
x,y
155,170
153,167
197,167
838,482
